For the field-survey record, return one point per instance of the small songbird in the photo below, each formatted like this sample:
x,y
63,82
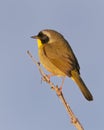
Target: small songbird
x,y
57,56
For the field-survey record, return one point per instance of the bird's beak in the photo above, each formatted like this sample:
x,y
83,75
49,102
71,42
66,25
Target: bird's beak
x,y
34,37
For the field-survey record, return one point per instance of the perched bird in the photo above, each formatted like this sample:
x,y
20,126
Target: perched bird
x,y
57,56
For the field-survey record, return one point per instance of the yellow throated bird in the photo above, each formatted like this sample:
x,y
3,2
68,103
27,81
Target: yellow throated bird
x,y
58,58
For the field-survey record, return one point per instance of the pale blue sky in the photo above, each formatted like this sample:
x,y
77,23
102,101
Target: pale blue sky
x,y
25,103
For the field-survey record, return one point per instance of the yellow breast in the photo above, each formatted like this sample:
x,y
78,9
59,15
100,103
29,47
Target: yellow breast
x,y
48,65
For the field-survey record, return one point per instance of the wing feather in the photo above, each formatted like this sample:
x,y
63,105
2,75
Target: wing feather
x,y
62,56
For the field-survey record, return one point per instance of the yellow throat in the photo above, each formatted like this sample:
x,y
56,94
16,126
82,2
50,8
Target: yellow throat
x,y
39,43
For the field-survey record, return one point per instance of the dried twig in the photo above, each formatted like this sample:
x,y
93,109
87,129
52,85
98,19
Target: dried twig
x,y
59,93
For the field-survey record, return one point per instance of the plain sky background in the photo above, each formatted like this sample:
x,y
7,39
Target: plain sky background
x,y
25,102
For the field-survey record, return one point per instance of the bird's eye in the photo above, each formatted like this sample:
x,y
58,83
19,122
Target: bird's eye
x,y
43,37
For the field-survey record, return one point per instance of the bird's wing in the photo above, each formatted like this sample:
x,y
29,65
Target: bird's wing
x,y
62,56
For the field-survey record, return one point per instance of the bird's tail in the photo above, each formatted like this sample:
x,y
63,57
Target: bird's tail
x,y
76,77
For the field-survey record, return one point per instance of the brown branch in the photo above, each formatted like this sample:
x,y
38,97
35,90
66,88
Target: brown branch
x,y
59,93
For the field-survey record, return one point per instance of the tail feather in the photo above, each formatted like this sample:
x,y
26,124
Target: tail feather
x,y
76,77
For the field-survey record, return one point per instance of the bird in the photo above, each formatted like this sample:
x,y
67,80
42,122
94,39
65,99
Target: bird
x,y
58,58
